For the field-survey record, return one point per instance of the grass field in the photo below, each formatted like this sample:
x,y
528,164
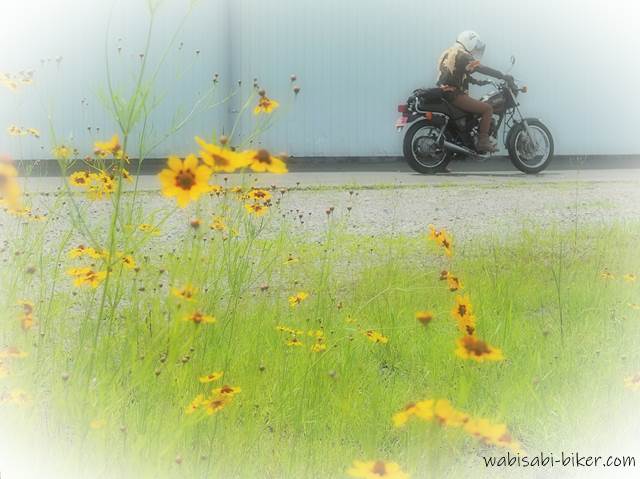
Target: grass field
x,y
317,340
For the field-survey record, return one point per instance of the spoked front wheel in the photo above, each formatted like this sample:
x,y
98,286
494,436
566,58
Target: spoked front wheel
x,y
531,149
421,148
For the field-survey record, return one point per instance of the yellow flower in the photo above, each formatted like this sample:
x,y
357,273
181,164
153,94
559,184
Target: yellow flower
x,y
10,191
219,158
422,409
33,132
318,347
425,317
218,224
12,352
97,424
469,347
227,390
633,382
494,434
187,292
87,277
186,180
635,306
147,228
14,130
126,175
198,318
376,337
265,104
26,322
127,261
106,148
195,404
447,415
256,209
81,179
261,161
454,283
214,404
258,194
291,259
463,313
376,470
630,278
442,238
298,298
211,377
18,397
295,342
62,152
607,275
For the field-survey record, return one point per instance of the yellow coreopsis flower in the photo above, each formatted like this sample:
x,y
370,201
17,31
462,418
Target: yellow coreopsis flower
x,y
447,415
227,390
10,191
128,261
377,470
265,104
185,180
195,404
215,404
221,159
463,313
259,194
256,209
199,318
633,382
81,179
295,342
298,298
62,152
87,277
424,317
187,292
261,161
469,347
106,148
376,337
209,378
630,278
218,224
97,424
491,433
607,275
150,229
12,352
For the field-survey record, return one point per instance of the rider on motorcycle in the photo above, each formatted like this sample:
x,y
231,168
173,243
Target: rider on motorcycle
x,y
455,66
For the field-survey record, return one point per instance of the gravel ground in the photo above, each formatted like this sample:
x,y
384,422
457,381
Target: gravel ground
x,y
465,209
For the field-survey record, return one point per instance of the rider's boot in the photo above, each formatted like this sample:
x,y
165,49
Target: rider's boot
x,y
485,145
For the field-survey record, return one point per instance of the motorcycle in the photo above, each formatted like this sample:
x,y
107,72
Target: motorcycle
x,y
438,132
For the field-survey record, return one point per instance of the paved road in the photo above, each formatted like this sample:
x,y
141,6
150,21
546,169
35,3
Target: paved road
x,y
399,175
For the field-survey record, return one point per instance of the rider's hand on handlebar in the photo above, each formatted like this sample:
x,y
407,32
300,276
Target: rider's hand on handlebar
x,y
509,79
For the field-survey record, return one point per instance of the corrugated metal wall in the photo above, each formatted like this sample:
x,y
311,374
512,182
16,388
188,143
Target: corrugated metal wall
x,y
355,61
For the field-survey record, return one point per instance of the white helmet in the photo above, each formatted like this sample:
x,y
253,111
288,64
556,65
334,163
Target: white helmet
x,y
471,42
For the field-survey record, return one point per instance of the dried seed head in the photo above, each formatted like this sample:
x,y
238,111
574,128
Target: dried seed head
x,y
296,89
157,372
262,93
65,376
178,460
224,139
293,78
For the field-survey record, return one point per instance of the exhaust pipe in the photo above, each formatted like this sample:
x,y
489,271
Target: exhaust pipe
x,y
458,149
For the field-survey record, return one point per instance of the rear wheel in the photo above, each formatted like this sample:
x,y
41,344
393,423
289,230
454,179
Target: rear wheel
x,y
531,151
421,149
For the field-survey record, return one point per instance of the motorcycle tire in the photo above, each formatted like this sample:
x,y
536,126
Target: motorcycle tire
x,y
515,155
422,164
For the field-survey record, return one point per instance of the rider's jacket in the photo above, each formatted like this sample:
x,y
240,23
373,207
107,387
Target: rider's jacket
x,y
455,67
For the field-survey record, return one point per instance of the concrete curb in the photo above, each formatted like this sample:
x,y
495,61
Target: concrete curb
x,y
151,166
